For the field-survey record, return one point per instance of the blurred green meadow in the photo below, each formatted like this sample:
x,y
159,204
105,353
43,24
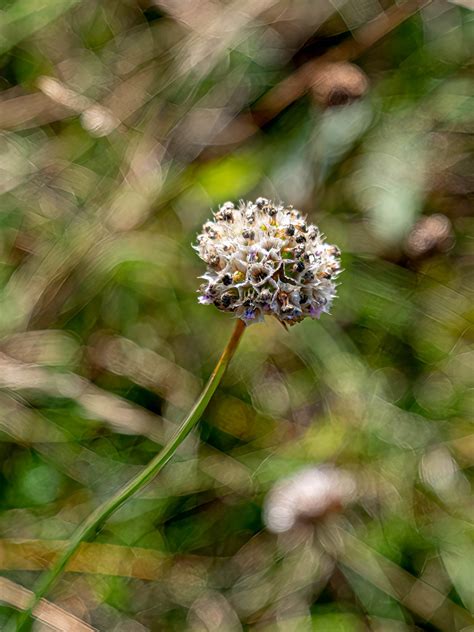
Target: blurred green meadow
x,y
123,123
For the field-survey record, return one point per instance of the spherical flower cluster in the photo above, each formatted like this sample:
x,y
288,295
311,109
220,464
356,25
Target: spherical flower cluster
x,y
307,496
264,259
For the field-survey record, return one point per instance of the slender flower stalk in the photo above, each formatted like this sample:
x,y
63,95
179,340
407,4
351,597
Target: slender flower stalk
x,y
96,520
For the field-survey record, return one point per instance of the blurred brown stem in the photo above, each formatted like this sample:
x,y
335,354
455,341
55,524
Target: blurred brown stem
x,y
294,86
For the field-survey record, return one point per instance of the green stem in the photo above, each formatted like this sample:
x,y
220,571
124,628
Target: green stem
x,y
93,523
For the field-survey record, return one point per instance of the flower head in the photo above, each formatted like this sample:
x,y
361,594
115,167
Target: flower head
x,y
265,259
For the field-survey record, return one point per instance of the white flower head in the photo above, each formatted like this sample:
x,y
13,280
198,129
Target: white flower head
x,y
265,259
306,496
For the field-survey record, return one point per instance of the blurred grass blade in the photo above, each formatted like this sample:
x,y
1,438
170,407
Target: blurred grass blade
x,y
415,594
23,18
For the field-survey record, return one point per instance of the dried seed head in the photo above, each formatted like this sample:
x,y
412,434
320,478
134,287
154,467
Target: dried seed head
x,y
308,496
338,83
260,263
430,234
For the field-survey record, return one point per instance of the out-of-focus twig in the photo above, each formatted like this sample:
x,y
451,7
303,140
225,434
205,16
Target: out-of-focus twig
x,y
29,110
147,368
294,86
120,414
297,84
46,612
95,118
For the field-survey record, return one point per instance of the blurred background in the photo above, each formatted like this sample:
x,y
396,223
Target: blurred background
x,y
328,484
